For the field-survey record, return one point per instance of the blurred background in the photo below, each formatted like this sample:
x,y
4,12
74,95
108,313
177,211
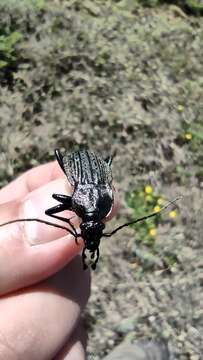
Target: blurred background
x,y
122,77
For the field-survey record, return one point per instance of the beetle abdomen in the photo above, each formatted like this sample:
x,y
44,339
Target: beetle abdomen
x,y
85,167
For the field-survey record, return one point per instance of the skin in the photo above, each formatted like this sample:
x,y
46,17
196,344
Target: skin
x,y
43,288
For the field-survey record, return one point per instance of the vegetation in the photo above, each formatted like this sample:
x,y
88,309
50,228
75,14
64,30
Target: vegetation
x,y
8,44
144,202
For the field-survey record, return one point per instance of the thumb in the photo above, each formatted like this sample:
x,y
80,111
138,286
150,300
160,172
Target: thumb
x,y
23,261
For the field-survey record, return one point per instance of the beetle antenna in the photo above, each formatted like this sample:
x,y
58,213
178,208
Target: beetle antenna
x,y
41,221
172,202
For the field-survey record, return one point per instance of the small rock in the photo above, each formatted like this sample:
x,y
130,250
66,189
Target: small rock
x,y
140,350
127,325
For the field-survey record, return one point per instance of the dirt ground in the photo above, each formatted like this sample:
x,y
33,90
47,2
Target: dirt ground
x,y
116,76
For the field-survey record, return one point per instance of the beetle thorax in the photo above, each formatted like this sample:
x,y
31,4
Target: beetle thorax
x,y
92,202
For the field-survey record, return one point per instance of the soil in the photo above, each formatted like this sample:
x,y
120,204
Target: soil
x,y
118,77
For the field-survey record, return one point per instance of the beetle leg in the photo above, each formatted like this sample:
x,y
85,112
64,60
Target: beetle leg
x,y
64,199
59,158
83,258
109,160
94,265
77,236
58,208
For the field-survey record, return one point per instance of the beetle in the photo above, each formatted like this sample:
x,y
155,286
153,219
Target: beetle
x,y
92,196
92,199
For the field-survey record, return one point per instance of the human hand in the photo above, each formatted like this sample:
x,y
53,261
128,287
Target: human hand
x,y
41,296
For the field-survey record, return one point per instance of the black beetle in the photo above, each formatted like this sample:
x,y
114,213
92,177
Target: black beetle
x,y
92,199
92,196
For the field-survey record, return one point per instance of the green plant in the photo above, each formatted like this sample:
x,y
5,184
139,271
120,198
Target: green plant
x,y
193,6
192,134
22,4
8,48
144,202
144,250
149,3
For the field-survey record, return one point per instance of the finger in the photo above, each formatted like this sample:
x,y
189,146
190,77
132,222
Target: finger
x,y
75,346
38,322
30,252
34,206
30,180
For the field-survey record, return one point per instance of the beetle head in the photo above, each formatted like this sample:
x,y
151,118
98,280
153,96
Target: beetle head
x,y
92,232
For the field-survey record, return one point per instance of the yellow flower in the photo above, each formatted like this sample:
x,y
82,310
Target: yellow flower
x,y
157,208
180,107
152,232
160,201
188,136
148,198
148,189
173,214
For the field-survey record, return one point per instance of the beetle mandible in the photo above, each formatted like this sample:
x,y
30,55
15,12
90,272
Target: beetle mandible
x,y
91,200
